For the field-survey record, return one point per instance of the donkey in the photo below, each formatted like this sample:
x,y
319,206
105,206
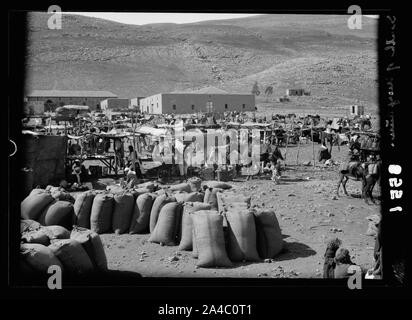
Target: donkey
x,y
359,173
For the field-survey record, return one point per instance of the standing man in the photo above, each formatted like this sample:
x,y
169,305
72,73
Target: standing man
x,y
119,152
79,171
372,176
275,159
133,162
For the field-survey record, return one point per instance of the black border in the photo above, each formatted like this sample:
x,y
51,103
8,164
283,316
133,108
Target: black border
x,y
167,290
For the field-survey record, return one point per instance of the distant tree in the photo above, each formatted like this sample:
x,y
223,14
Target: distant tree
x,y
50,106
268,92
255,89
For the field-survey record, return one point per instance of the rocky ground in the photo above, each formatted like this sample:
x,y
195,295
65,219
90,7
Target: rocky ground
x,y
309,213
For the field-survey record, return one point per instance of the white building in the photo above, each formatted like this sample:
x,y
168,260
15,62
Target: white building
x,y
208,100
134,103
51,99
114,104
357,110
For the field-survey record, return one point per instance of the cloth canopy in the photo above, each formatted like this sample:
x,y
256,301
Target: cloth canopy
x,y
73,107
151,131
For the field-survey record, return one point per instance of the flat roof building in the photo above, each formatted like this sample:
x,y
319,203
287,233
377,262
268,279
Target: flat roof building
x,y
207,100
57,98
114,104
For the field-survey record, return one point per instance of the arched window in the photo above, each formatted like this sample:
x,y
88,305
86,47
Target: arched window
x,y
174,107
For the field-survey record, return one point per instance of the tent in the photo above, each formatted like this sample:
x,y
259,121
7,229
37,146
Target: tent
x,y
255,124
151,131
72,109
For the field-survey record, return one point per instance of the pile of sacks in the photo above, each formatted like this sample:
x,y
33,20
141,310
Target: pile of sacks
x,y
224,229
50,206
169,209
206,217
117,209
219,230
78,252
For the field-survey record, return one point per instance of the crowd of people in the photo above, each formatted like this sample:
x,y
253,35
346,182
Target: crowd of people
x,y
90,140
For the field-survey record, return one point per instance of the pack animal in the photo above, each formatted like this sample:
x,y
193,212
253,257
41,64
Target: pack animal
x,y
359,172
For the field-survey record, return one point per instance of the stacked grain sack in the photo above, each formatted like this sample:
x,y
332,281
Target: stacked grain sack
x,y
228,230
238,224
208,239
101,211
166,230
83,208
208,218
186,241
219,228
77,252
269,235
248,228
59,193
141,213
167,211
44,206
123,210
194,223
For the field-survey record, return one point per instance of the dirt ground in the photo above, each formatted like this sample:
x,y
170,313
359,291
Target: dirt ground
x,y
309,214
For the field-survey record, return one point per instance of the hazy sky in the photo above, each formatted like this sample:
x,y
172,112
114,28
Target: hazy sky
x,y
146,18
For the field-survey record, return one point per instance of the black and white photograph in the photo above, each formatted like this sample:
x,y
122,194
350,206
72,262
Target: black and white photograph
x,y
193,145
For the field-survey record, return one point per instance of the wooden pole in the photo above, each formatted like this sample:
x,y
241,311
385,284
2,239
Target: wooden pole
x,y
134,130
287,142
297,155
313,144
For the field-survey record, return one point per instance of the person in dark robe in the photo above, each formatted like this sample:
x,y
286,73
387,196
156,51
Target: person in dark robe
x,y
343,262
275,159
323,154
119,152
329,263
79,171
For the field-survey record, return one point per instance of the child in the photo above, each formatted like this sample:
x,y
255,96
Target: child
x,y
329,258
275,160
77,170
276,171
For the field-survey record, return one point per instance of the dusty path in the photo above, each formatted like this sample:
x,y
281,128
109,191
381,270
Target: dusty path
x,y
308,212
